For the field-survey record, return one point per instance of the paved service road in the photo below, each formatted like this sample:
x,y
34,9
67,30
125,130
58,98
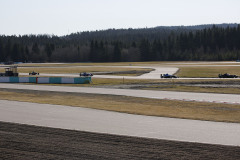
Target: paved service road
x,y
92,120
185,96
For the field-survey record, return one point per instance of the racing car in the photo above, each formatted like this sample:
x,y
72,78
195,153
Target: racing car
x,y
33,73
226,75
84,74
167,76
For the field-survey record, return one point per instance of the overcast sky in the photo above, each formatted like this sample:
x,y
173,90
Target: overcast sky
x,y
61,17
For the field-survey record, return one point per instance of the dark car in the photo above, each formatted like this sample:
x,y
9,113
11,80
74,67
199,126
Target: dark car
x,y
226,75
84,74
33,73
167,76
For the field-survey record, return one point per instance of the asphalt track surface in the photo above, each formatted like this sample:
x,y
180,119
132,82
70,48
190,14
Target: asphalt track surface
x,y
154,77
170,95
150,127
32,142
85,119
27,142
155,74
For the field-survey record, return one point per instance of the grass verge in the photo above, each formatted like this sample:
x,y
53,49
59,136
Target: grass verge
x,y
163,84
207,71
94,64
132,105
193,89
80,69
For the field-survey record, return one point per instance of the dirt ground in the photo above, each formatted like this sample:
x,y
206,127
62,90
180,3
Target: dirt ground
x,y
26,142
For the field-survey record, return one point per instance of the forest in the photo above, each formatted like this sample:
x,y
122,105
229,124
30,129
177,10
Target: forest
x,y
176,43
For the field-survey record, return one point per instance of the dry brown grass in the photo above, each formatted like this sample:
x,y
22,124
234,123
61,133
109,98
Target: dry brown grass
x,y
193,89
163,84
143,106
92,64
208,72
187,70
77,69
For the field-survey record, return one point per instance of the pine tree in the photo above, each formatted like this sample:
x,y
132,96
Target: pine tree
x,y
117,53
8,50
35,48
2,55
48,50
92,51
15,54
144,50
26,53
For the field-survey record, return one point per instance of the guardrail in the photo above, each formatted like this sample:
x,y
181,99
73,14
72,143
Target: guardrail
x,y
46,80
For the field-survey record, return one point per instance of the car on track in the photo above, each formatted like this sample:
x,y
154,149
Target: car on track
x,y
167,76
226,75
33,73
85,74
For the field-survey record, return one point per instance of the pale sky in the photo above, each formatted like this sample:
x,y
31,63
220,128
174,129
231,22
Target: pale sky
x,y
61,17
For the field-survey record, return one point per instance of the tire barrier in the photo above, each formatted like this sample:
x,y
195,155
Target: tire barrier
x,y
46,80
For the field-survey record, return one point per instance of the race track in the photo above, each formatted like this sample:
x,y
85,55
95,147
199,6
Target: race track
x,y
83,119
92,120
170,95
155,74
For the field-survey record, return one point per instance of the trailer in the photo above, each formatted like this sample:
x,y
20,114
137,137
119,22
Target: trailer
x,y
10,72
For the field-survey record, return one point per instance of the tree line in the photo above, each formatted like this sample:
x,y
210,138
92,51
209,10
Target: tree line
x,y
153,44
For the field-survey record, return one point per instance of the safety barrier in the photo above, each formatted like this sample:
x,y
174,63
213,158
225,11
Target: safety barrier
x,y
50,80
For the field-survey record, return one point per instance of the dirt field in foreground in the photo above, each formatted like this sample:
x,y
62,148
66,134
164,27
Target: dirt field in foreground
x,y
31,142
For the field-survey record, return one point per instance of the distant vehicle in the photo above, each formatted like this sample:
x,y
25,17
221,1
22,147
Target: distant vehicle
x,y
167,76
226,75
84,74
33,73
238,60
